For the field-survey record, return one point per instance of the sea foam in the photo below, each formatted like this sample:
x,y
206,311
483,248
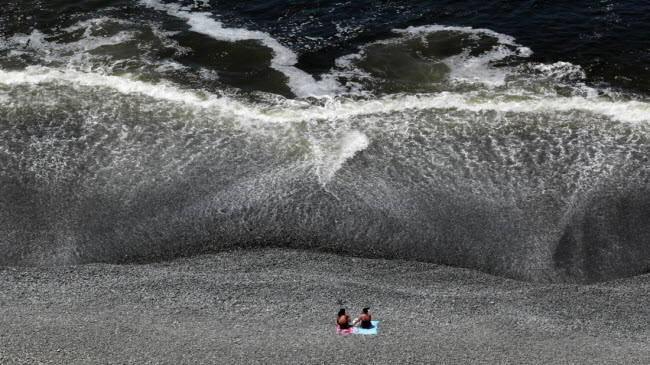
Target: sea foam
x,y
286,110
284,59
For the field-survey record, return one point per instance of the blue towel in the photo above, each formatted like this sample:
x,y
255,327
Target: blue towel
x,y
369,331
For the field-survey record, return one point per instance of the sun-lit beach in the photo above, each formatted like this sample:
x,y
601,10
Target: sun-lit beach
x,y
187,181
279,306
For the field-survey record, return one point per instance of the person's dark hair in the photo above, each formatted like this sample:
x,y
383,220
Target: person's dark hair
x,y
365,310
341,311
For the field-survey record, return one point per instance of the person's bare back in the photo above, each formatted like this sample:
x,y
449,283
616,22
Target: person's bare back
x,y
343,320
365,319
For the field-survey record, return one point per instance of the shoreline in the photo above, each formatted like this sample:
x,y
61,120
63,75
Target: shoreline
x,y
278,306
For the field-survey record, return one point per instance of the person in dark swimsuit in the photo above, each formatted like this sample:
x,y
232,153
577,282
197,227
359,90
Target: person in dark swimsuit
x,y
343,320
364,319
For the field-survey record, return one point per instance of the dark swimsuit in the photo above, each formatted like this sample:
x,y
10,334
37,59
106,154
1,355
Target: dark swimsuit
x,y
344,326
366,324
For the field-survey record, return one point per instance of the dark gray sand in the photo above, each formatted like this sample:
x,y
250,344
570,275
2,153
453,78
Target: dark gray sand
x,y
278,306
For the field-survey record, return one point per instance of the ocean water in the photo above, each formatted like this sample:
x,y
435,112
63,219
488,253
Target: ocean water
x,y
508,137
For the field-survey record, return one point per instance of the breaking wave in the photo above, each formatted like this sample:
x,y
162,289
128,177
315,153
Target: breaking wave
x,y
178,134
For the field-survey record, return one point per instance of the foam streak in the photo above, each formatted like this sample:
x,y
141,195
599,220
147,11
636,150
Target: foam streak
x,y
294,111
284,60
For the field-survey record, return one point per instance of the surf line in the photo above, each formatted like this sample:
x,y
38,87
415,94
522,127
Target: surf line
x,y
284,60
288,111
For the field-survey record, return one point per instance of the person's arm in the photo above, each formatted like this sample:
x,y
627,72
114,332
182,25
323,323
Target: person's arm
x,y
356,320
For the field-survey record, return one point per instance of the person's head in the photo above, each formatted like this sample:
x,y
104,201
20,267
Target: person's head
x,y
341,311
365,310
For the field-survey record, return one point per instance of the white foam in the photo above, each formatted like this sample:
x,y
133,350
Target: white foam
x,y
477,69
285,110
35,39
284,60
52,51
78,53
463,67
347,31
170,65
625,111
466,68
427,29
96,23
561,70
331,157
36,75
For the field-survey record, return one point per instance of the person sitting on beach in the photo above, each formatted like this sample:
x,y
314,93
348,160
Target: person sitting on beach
x,y
343,320
364,318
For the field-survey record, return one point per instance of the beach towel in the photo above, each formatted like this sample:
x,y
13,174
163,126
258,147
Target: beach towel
x,y
369,331
347,331
358,330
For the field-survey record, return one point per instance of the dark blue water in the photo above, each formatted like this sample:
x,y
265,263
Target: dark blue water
x,y
509,137
609,39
